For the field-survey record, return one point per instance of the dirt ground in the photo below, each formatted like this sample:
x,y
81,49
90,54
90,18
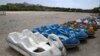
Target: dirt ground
x,y
17,21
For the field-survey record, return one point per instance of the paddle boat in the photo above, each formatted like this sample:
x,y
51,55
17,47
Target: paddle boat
x,y
68,39
33,44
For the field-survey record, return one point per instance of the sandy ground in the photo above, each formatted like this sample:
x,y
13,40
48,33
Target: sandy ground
x,y
17,21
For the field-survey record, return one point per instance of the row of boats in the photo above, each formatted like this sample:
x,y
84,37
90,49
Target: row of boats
x,y
52,40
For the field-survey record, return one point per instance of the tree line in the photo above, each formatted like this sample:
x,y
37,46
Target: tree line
x,y
32,7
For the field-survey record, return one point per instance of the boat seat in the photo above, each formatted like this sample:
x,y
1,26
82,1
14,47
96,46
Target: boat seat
x,y
40,38
37,37
27,43
27,32
15,37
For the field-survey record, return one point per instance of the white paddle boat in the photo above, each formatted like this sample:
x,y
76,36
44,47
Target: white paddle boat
x,y
33,44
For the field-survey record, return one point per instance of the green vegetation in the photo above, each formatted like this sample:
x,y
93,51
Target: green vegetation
x,y
31,7
96,10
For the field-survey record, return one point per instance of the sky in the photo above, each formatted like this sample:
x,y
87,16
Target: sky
x,y
83,4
